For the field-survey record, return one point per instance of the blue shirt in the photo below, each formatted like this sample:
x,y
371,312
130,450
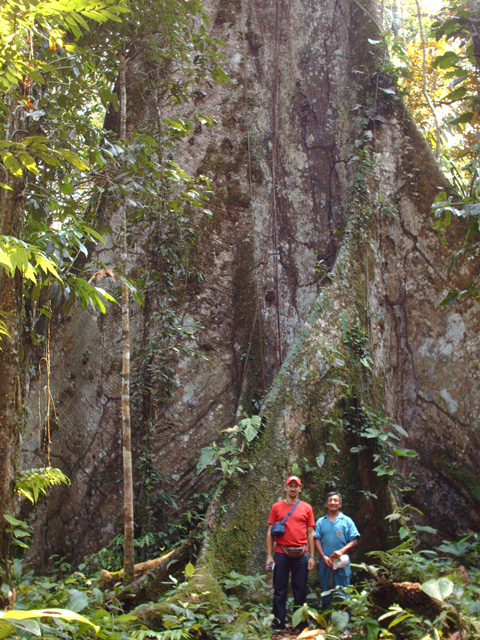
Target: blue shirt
x,y
335,535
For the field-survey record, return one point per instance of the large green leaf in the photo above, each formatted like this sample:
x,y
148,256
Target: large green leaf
x,y
372,628
457,94
256,420
445,60
458,549
12,164
439,589
207,458
65,614
28,162
13,521
46,265
340,620
33,482
78,600
382,470
30,626
5,260
300,615
250,433
462,119
73,159
6,629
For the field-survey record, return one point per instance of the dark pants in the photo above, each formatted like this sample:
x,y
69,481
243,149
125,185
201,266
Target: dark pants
x,y
284,566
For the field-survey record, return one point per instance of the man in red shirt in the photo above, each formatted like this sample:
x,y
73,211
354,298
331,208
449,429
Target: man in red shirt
x,y
291,555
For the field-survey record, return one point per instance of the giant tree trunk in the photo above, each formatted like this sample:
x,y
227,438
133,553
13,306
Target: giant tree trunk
x,y
321,241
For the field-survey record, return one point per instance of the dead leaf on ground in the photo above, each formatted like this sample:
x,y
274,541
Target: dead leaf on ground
x,y
310,633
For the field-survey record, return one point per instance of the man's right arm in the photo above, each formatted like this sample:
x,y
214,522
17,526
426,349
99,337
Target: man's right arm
x,y
269,549
326,559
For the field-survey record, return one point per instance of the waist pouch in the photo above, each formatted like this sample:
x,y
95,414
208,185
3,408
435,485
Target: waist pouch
x,y
292,552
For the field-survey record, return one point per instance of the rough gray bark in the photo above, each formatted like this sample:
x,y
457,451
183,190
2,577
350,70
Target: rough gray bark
x,y
311,118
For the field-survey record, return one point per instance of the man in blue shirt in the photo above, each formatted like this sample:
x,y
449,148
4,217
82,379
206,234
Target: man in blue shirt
x,y
335,535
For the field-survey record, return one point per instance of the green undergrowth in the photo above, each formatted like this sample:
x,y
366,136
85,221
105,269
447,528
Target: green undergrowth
x,y
236,606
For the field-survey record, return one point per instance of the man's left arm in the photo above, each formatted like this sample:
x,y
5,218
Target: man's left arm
x,y
311,548
352,535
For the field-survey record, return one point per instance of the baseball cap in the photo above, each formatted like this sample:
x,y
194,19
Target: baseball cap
x,y
294,479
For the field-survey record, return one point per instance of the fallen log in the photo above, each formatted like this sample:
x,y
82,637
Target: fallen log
x,y
408,595
149,577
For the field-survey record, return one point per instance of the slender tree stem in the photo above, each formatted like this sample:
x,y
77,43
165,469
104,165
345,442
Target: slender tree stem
x,y
129,557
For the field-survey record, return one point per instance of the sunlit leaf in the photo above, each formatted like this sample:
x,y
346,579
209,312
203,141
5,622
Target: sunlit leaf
x,y
28,162
73,159
12,164
381,470
6,629
46,265
439,589
65,614
406,453
250,433
5,260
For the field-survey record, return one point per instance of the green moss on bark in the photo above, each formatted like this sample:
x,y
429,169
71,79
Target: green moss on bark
x,y
461,475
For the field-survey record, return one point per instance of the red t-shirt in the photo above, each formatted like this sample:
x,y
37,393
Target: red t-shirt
x,y
295,527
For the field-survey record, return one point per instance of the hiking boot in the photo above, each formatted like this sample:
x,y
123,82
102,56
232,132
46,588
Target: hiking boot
x,y
277,625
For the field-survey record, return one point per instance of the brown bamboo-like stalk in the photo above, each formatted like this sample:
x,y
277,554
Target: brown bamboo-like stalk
x,y
128,551
11,369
